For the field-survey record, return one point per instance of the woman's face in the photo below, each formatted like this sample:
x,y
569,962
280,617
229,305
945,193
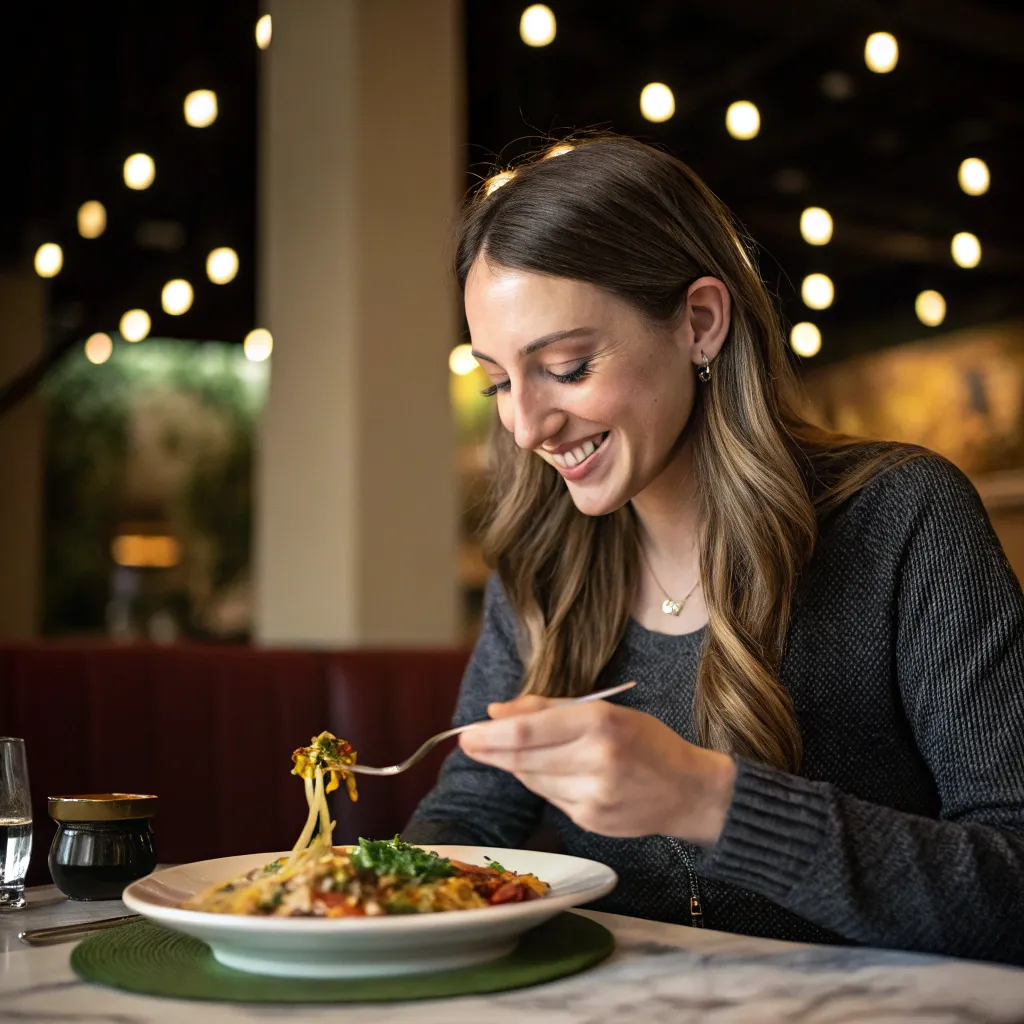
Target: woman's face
x,y
584,381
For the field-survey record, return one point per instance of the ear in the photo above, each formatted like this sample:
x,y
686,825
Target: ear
x,y
706,318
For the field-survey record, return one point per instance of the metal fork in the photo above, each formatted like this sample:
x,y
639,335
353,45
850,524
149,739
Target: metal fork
x,y
397,769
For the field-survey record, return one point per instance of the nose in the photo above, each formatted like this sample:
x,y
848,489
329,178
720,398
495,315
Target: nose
x,y
532,417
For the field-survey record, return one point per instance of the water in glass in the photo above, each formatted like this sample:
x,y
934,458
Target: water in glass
x,y
15,823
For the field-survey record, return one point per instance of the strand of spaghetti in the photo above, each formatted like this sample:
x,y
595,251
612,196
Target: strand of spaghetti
x,y
325,812
311,819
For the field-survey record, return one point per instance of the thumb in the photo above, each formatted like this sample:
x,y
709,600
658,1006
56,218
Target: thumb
x,y
520,706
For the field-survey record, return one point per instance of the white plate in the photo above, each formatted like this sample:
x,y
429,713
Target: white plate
x,y
311,947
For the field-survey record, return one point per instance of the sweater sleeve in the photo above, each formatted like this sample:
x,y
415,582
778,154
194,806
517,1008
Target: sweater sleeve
x,y
953,884
473,803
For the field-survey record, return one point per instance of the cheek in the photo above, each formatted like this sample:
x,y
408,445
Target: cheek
x,y
505,415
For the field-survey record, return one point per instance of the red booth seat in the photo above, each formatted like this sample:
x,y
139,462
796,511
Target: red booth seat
x,y
210,730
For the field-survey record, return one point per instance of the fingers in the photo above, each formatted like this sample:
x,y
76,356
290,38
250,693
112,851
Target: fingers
x,y
566,759
553,725
520,706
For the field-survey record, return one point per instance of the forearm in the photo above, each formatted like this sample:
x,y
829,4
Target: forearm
x,y
875,875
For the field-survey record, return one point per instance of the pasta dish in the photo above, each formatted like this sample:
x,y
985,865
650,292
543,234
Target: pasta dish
x,y
376,877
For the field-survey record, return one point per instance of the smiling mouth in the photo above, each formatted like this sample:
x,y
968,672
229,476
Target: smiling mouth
x,y
578,455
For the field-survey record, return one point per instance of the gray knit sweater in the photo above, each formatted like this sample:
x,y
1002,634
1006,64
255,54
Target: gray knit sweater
x,y
905,660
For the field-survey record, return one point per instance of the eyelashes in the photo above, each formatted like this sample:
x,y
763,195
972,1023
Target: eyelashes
x,y
574,376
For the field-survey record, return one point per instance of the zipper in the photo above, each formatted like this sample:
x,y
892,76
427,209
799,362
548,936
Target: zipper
x,y
696,907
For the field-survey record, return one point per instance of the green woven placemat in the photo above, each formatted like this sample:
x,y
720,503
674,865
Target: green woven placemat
x,y
143,957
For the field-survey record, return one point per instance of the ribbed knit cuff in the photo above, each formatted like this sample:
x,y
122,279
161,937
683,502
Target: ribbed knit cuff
x,y
774,831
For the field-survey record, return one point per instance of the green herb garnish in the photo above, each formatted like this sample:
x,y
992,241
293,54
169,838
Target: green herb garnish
x,y
494,864
401,860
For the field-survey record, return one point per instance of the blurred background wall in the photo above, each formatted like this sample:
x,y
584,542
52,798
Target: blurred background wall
x,y
235,398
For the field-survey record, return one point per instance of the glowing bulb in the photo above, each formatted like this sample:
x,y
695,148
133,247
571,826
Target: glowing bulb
x,y
657,103
805,340
135,325
222,265
881,52
816,225
973,176
966,250
99,348
559,150
258,345
139,171
92,219
201,108
537,25
49,259
461,360
930,308
494,183
176,297
264,31
742,120
817,291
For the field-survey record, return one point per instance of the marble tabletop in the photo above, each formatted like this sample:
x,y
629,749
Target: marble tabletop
x,y
658,973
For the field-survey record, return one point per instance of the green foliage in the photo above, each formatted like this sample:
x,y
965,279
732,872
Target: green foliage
x,y
89,413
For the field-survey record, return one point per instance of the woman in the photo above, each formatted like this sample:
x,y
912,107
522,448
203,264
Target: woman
x,y
826,738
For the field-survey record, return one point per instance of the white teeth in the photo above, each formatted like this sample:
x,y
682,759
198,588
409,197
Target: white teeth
x,y
573,458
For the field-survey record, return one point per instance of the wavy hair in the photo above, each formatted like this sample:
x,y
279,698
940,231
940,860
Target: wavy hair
x,y
638,223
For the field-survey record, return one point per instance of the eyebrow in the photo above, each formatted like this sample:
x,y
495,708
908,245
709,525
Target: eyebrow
x,y
539,343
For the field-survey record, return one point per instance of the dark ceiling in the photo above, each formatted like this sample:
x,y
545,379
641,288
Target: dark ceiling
x,y
89,84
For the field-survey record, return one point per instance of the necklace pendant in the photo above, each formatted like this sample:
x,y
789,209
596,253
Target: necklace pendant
x,y
670,607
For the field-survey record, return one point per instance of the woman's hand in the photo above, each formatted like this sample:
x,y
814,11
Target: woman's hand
x,y
613,770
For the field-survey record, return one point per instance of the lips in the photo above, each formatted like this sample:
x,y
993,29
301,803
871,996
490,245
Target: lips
x,y
579,454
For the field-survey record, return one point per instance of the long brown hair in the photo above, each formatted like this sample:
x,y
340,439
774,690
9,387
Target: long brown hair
x,y
640,224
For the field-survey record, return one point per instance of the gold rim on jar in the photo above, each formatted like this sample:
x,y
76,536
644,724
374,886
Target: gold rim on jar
x,y
102,806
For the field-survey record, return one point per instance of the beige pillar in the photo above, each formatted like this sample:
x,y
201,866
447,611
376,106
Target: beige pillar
x,y
361,166
21,462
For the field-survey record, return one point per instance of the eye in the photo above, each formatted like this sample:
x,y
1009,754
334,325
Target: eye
x,y
576,374
495,388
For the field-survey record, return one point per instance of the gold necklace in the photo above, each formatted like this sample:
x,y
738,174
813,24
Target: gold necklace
x,y
670,606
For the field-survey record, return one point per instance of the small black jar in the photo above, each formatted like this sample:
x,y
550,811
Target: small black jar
x,y
103,843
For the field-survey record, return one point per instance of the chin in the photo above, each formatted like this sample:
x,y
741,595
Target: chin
x,y
596,502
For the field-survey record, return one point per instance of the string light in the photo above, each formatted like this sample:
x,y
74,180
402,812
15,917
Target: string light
x,y
816,225
462,361
201,108
99,348
258,345
817,291
537,26
973,176
930,308
139,171
742,120
222,265
805,339
176,297
881,52
264,31
966,250
135,325
657,103
49,259
92,219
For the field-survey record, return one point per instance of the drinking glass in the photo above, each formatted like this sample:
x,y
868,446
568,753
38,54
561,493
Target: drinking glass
x,y
15,823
